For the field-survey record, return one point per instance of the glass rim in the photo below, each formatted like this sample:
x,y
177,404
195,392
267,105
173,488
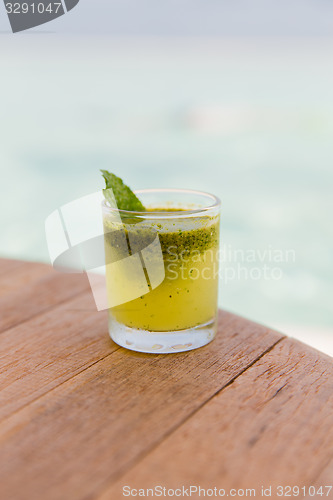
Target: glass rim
x,y
174,214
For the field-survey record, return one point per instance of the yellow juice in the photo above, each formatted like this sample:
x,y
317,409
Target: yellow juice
x,y
180,295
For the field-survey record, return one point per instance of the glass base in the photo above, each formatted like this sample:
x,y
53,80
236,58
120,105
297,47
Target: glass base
x,y
161,342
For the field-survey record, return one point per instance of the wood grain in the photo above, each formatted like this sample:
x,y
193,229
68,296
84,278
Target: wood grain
x,y
78,437
7,265
81,416
273,425
22,276
29,294
322,483
42,353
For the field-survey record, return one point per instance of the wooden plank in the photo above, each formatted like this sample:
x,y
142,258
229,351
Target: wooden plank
x,y
22,276
322,486
33,296
86,432
7,265
42,353
272,426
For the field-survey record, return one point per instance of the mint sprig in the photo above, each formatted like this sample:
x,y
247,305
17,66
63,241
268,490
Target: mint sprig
x,y
122,194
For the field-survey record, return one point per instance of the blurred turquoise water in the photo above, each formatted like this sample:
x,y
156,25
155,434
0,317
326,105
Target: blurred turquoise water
x,y
250,121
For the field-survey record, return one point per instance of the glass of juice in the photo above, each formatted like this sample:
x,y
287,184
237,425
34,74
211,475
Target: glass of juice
x,y
162,271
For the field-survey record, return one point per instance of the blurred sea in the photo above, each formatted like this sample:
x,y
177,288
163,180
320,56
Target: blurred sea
x,y
249,120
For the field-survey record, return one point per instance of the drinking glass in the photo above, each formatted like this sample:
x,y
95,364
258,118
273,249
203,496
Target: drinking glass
x,y
162,271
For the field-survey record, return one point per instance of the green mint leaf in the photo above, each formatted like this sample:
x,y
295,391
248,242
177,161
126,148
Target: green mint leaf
x,y
122,194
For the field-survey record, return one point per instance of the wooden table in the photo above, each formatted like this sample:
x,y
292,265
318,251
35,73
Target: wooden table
x,y
82,417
